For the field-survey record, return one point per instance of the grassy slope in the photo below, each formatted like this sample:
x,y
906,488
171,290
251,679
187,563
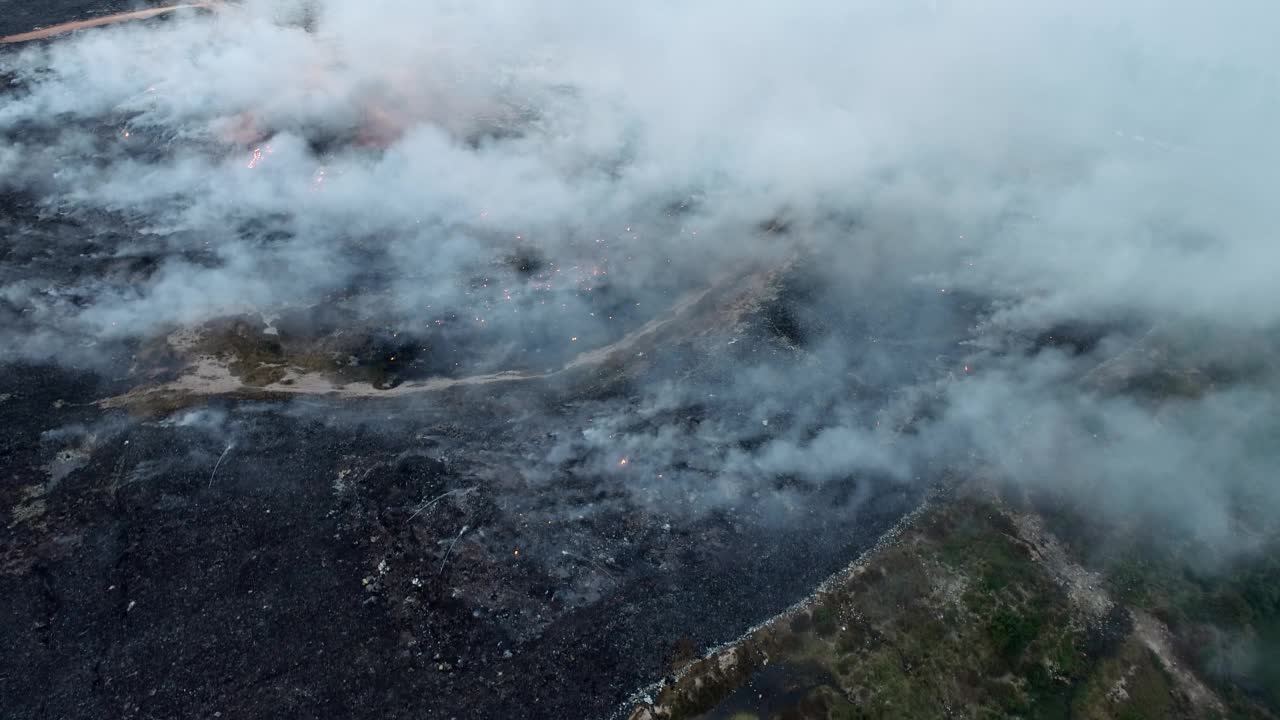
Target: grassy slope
x,y
962,618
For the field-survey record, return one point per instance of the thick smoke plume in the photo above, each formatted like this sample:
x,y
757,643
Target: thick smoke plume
x,y
1096,170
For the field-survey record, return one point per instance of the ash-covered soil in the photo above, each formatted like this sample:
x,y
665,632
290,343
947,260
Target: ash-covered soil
x,y
476,551
492,550
388,558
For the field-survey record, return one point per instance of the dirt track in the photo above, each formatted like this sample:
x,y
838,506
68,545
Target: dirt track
x,y
74,25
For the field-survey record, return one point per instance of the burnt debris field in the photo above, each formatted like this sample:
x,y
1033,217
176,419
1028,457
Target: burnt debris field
x,y
444,361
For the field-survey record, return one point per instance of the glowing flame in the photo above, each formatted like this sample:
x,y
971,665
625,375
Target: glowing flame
x,y
258,155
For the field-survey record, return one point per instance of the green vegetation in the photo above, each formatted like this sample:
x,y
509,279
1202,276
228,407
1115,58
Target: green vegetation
x,y
1011,632
960,614
1223,613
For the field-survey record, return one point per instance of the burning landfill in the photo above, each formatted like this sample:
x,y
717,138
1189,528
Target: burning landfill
x,y
478,359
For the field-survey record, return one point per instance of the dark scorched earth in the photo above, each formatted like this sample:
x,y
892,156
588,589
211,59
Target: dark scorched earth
x,y
456,551
379,557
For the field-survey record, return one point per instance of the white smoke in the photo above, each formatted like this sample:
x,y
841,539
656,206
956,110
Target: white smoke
x,y
1092,162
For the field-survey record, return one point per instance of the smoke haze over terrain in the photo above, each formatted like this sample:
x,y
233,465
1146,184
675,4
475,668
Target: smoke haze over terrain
x,y
1092,166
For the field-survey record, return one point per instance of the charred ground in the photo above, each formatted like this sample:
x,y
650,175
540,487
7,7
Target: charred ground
x,y
531,486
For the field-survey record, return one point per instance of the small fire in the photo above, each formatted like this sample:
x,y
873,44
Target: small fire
x,y
623,462
258,154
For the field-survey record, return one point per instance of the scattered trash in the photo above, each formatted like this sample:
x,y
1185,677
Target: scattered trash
x,y
431,503
445,559
217,464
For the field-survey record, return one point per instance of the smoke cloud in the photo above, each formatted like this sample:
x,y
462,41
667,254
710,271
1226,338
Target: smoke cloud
x,y
964,182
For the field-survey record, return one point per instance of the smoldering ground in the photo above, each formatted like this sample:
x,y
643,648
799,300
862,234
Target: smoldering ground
x,y
1095,167
1007,240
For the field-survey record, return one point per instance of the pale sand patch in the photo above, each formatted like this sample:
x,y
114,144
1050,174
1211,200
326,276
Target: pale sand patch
x,y
210,375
